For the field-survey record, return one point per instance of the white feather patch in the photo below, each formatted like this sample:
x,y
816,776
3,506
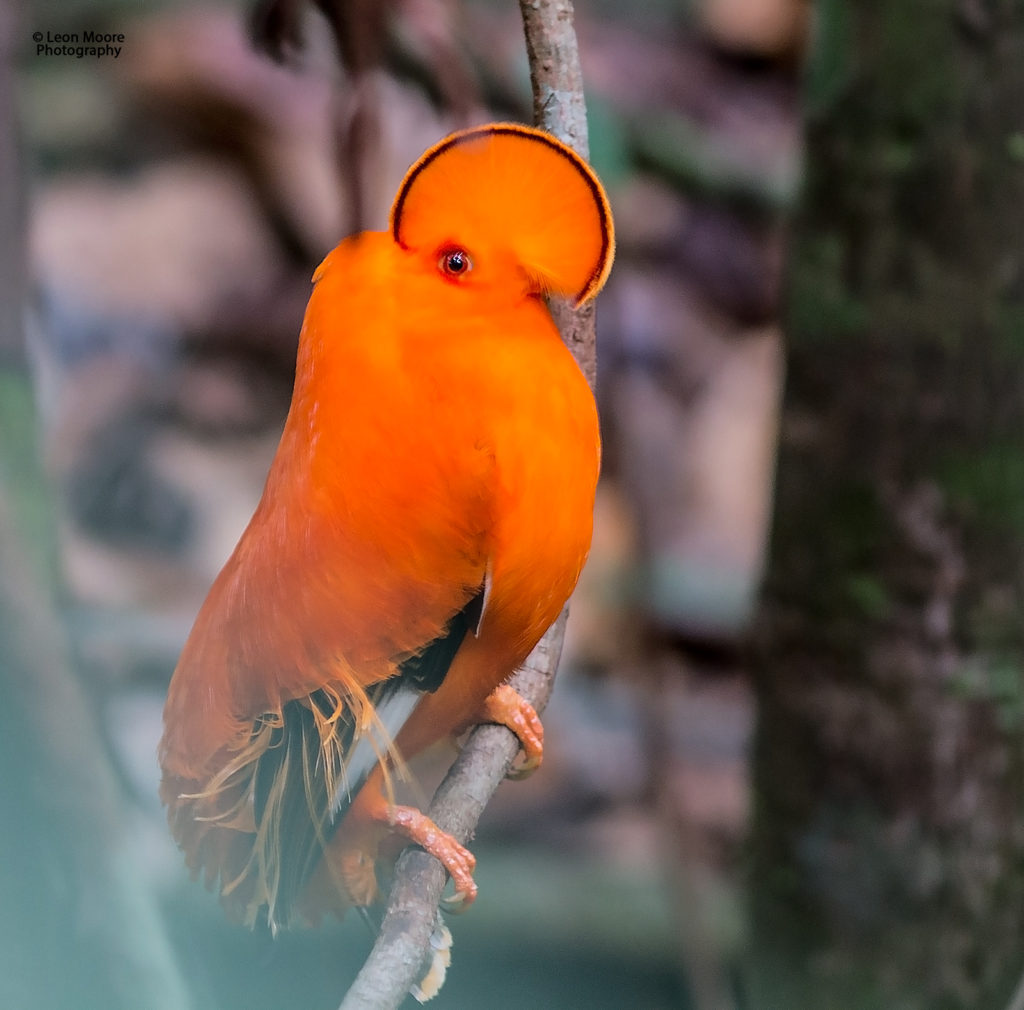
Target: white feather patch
x,y
374,744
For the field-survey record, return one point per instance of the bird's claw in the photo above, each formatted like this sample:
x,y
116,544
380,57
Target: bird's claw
x,y
457,903
508,708
460,863
454,857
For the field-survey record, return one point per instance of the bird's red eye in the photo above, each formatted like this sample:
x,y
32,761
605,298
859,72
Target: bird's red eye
x,y
455,263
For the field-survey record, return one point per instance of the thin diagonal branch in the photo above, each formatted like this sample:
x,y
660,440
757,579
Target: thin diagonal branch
x,y
396,961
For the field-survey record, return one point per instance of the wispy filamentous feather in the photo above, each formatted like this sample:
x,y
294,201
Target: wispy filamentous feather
x,y
277,789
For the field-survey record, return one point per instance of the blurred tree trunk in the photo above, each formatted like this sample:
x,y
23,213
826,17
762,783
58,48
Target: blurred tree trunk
x,y
888,845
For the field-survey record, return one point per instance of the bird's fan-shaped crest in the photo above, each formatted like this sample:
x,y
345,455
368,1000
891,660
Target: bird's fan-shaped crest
x,y
512,181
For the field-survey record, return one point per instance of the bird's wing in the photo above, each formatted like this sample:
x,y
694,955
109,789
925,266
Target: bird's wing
x,y
263,818
314,645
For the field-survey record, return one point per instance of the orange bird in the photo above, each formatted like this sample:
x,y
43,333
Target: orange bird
x,y
424,521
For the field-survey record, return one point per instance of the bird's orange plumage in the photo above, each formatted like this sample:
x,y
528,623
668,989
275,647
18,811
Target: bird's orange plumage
x,y
431,495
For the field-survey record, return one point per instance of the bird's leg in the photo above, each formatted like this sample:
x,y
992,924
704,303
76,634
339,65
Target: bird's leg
x,y
508,708
418,828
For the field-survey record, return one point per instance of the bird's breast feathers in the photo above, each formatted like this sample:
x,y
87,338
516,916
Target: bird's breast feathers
x,y
432,441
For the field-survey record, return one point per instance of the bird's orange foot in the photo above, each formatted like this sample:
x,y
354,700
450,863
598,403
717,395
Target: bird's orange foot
x,y
508,708
455,858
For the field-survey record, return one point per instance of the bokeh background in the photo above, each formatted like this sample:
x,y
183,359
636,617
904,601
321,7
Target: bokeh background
x,y
784,759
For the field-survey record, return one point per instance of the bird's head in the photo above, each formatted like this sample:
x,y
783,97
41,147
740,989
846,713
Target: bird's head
x,y
503,204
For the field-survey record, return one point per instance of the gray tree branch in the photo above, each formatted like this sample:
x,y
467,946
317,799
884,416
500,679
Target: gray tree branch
x,y
396,961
